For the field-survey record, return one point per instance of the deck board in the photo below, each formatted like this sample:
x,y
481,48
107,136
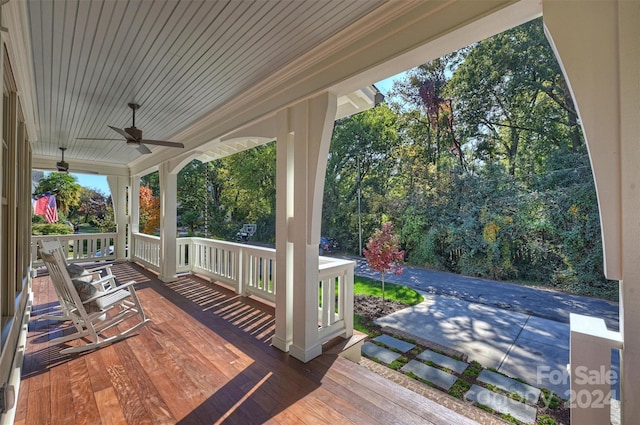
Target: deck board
x,y
205,358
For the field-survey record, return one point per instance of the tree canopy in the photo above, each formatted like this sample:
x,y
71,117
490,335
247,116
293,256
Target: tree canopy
x,y
63,186
477,158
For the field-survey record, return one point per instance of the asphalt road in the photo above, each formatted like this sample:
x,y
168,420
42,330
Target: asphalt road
x,y
544,303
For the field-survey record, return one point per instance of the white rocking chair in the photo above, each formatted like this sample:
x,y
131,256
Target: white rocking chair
x,y
96,272
93,316
92,275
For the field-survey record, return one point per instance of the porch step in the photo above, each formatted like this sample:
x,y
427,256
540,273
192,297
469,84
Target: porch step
x,y
349,348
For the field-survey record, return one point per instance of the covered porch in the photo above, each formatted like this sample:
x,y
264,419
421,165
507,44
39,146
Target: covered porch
x,y
205,358
59,87
248,271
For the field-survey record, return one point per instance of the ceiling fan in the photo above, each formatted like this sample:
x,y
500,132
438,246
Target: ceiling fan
x,y
63,166
133,135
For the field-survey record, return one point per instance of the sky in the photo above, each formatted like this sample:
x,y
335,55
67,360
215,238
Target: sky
x,y
385,85
92,181
100,182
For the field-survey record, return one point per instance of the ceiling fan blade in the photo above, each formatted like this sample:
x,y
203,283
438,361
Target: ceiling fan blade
x,y
143,149
163,143
123,133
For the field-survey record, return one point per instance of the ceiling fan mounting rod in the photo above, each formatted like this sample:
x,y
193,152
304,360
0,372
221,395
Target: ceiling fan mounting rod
x,y
134,107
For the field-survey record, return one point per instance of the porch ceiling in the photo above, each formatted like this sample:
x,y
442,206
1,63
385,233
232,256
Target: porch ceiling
x,y
200,69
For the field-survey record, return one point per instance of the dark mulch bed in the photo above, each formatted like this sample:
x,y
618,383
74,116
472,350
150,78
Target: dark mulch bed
x,y
372,308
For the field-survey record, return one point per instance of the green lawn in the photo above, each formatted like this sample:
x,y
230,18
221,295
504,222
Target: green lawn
x,y
401,293
366,286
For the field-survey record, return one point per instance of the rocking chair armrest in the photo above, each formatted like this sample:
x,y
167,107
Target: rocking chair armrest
x,y
110,291
100,268
104,279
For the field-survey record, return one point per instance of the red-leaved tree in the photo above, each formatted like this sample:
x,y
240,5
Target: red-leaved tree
x,y
383,252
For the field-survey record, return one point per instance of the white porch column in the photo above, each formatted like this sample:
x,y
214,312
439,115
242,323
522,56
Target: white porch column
x,y
283,337
303,146
600,56
118,187
168,226
134,213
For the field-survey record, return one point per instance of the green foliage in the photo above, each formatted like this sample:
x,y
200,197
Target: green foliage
x,y
545,420
361,325
105,222
459,388
507,417
550,399
63,186
51,229
93,208
473,370
398,363
479,161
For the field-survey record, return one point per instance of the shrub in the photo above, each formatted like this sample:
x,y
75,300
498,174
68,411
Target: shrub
x,y
51,229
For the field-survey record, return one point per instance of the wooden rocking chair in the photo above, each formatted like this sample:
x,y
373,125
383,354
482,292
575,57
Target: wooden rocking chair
x,y
95,315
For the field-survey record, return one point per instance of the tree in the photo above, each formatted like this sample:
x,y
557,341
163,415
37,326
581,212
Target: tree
x,y
149,210
64,187
511,100
248,190
360,157
92,205
383,253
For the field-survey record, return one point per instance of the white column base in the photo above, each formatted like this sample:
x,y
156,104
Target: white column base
x,y
306,355
280,343
167,279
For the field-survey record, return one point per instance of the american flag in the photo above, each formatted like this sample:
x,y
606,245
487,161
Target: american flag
x,y
46,206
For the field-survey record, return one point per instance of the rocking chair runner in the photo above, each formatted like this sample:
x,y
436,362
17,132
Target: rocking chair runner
x,y
93,316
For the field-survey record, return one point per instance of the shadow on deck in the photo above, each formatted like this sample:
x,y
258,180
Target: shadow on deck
x,y
205,358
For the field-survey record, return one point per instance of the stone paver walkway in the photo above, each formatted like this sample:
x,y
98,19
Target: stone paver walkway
x,y
384,355
395,343
501,403
441,372
527,392
439,378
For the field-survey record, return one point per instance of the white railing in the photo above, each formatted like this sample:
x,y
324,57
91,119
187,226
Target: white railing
x,y
217,260
250,270
258,272
79,247
335,298
182,254
146,250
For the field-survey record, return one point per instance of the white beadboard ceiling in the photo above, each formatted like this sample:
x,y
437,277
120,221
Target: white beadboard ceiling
x,y
178,59
202,69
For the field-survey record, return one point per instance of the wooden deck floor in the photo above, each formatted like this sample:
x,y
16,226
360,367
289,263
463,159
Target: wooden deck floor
x,y
205,358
